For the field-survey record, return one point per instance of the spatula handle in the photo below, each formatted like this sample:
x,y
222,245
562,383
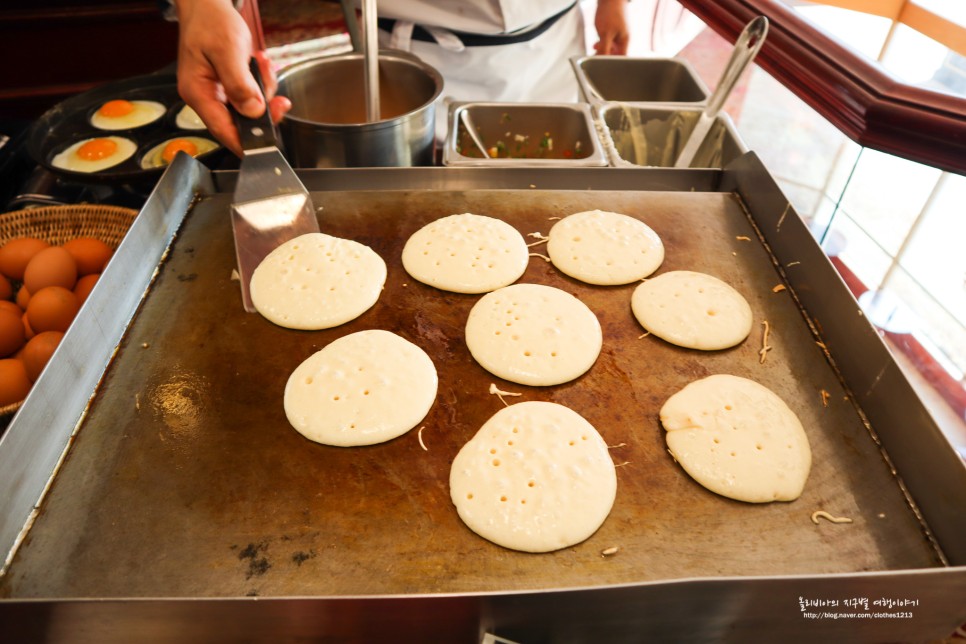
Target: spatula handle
x,y
258,132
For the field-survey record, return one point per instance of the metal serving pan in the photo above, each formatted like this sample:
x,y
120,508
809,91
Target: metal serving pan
x,y
653,136
185,508
629,79
526,134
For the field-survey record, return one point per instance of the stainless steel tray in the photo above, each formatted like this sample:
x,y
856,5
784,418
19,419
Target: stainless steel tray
x,y
183,483
653,136
670,82
527,135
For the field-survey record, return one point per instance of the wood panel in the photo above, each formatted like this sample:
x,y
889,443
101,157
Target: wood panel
x,y
54,50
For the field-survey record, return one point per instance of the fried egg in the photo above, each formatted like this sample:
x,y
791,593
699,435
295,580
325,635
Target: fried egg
x,y
188,119
163,153
124,115
93,155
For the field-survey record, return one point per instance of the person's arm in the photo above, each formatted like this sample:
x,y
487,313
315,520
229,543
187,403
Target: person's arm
x,y
214,48
611,24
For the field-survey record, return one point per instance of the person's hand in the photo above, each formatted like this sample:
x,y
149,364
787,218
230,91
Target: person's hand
x,y
611,24
214,48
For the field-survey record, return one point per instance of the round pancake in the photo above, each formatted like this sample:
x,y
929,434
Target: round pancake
x,y
466,254
692,310
536,477
533,335
605,248
317,281
364,388
738,439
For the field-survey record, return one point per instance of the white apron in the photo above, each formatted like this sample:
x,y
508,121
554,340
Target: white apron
x,y
536,70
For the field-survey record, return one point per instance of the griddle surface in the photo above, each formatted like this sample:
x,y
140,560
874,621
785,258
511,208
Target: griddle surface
x,y
186,480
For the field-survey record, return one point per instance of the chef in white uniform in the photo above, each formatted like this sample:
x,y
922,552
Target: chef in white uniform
x,y
495,50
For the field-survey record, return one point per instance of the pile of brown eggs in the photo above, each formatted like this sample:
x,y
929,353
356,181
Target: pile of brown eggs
x,y
41,289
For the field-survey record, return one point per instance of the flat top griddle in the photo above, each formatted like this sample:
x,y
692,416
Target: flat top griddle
x,y
185,479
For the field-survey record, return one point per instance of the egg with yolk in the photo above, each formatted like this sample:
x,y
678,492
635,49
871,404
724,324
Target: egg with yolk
x,y
124,115
92,155
164,153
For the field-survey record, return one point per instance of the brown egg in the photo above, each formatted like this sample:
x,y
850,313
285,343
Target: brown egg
x,y
6,289
84,286
23,297
12,334
37,352
28,331
52,309
89,254
6,305
14,383
17,253
52,266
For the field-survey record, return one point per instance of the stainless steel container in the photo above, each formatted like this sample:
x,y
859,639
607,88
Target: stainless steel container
x,y
653,137
638,80
524,134
326,127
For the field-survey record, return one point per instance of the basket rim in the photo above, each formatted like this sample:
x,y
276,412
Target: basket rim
x,y
70,208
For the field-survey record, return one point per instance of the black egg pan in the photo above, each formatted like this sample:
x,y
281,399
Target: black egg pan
x,y
69,122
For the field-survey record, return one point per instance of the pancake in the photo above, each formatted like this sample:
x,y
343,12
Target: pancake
x,y
533,335
738,439
466,254
604,248
536,477
317,281
692,310
364,388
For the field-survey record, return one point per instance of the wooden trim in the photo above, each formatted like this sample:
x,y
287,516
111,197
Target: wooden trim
x,y
890,9
63,90
17,18
855,95
934,26
911,14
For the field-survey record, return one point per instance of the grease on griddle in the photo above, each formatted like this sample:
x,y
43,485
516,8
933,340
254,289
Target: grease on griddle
x,y
301,557
257,565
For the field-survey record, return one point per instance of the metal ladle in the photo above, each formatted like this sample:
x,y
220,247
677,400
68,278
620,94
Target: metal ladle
x,y
370,55
746,47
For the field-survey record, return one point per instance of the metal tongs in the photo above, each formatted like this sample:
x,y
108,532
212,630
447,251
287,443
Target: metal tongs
x,y
270,205
746,48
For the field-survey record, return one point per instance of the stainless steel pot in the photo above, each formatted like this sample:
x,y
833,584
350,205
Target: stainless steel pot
x,y
326,127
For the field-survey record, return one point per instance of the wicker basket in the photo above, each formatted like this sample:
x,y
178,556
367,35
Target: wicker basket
x,y
59,224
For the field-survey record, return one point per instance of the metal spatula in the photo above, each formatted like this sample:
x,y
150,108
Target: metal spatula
x,y
270,206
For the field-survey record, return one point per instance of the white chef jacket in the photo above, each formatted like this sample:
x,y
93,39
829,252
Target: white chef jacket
x,y
536,70
474,16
